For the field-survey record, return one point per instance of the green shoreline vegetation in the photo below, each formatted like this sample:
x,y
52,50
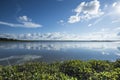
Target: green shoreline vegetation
x,y
66,70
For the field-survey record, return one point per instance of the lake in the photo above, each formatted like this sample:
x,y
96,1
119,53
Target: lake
x,y
20,52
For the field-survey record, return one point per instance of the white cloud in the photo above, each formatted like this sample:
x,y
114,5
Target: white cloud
x,y
86,11
113,12
31,25
116,8
116,21
74,19
103,34
89,25
24,21
62,22
105,6
6,35
8,24
114,4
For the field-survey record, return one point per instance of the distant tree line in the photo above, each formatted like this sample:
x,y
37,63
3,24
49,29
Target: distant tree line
x,y
7,39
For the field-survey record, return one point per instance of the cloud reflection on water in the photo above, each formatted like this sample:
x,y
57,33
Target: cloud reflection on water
x,y
60,45
106,50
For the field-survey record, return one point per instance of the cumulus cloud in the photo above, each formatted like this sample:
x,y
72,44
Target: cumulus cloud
x,y
104,34
111,12
24,21
86,11
7,35
74,19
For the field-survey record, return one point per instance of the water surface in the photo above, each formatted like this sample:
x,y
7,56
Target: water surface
x,y
20,52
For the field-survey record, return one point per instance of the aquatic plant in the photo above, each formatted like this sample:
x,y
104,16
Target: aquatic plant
x,y
67,70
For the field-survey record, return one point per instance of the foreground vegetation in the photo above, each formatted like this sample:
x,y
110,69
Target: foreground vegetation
x,y
68,70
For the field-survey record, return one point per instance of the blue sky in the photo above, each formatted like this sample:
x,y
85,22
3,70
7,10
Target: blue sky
x,y
60,19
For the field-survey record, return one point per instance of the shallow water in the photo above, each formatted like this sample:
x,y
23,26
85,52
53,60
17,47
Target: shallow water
x,y
20,52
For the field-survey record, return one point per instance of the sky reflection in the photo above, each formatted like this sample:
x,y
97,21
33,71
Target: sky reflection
x,y
19,52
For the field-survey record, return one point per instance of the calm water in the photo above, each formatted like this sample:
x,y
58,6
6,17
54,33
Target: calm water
x,y
20,52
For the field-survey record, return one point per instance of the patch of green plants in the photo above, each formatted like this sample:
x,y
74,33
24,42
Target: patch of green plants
x,y
67,70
